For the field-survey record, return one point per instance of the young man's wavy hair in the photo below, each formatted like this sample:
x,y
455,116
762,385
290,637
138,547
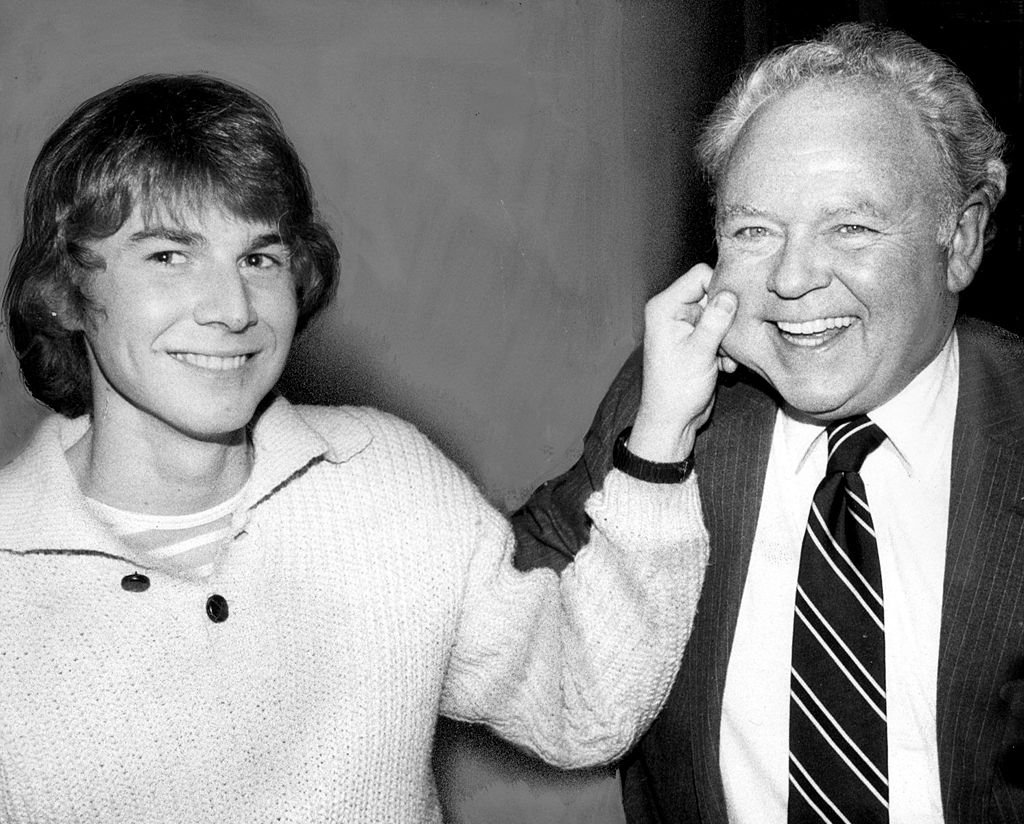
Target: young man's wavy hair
x,y
158,142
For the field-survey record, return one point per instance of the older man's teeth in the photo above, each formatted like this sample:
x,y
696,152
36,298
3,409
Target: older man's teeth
x,y
814,327
214,362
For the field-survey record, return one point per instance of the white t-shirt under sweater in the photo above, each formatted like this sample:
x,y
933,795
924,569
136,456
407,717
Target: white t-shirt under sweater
x,y
366,589
190,545
907,480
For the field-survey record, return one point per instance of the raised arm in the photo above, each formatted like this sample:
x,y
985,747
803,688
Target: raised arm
x,y
575,667
665,390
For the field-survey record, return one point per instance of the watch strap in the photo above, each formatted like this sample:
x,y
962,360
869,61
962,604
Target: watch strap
x,y
644,470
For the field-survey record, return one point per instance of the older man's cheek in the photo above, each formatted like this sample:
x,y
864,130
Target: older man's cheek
x,y
739,343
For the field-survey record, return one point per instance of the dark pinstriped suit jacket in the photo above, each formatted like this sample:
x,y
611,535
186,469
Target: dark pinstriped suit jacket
x,y
673,775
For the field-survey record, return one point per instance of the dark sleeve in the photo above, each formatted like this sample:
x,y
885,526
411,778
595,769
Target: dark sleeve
x,y
551,527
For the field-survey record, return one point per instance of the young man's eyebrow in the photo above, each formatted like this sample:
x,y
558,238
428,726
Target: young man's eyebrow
x,y
168,233
267,239
174,234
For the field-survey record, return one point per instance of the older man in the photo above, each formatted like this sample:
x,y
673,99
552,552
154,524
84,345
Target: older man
x,y
858,653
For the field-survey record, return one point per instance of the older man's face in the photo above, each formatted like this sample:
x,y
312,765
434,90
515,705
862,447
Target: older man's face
x,y
828,232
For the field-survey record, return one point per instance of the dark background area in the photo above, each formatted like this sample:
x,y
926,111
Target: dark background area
x,y
984,38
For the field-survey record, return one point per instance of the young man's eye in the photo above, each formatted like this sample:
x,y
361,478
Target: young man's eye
x,y
168,257
853,229
261,260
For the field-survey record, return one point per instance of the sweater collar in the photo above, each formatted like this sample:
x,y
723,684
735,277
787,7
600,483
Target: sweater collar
x,y
46,509
285,443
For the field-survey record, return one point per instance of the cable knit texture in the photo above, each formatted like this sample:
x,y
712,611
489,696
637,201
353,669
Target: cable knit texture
x,y
369,588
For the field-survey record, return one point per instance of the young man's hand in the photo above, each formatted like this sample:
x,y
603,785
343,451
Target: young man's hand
x,y
682,358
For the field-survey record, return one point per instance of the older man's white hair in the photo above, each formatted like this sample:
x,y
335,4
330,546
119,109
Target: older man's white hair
x,y
969,147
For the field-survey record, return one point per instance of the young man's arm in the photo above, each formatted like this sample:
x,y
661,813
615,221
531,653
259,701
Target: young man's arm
x,y
665,391
552,526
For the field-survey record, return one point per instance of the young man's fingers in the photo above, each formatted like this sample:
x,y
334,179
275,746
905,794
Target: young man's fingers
x,y
727,364
686,290
710,330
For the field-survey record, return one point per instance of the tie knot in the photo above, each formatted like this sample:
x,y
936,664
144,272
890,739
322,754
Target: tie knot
x,y
850,442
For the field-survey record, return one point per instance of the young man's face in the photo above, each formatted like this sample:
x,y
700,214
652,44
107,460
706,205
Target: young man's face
x,y
193,322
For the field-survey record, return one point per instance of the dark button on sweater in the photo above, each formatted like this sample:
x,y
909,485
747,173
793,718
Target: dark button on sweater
x,y
217,608
136,582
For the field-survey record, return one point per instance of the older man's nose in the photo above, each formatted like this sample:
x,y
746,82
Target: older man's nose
x,y
798,268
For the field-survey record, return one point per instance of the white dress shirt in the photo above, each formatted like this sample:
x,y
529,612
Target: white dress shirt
x,y
907,482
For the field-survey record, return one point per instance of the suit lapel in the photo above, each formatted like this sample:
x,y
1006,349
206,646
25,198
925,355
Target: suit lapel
x,y
983,590
734,458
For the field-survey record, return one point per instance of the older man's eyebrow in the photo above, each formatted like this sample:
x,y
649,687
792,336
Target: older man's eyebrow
x,y
727,210
738,211
862,207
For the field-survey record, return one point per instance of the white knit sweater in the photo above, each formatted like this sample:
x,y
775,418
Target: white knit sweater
x,y
369,589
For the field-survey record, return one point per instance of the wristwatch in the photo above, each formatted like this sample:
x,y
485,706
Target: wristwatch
x,y
650,471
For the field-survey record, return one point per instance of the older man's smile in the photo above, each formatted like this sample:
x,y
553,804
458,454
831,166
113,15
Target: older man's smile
x,y
814,332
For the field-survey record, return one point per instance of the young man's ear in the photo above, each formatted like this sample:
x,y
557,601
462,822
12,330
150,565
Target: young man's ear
x,y
65,307
967,245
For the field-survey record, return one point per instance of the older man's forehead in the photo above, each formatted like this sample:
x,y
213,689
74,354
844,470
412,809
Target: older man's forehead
x,y
872,119
864,146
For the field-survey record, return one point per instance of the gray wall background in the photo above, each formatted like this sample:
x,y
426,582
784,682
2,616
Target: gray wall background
x,y
504,178
510,181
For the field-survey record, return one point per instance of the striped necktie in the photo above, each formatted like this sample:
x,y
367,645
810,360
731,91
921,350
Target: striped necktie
x,y
837,710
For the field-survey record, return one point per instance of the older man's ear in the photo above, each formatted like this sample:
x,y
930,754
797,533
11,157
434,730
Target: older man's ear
x,y
967,245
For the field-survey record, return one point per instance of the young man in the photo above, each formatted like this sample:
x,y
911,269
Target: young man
x,y
215,606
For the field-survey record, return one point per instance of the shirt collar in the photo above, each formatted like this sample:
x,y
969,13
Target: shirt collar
x,y
913,421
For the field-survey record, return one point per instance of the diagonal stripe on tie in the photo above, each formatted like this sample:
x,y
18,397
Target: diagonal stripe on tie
x,y
865,525
835,556
846,659
838,739
859,501
814,796
851,757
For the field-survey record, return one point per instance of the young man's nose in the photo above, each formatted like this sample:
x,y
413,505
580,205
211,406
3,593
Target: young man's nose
x,y
226,299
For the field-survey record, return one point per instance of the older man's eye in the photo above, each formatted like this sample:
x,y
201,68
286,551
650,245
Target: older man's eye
x,y
853,229
750,232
